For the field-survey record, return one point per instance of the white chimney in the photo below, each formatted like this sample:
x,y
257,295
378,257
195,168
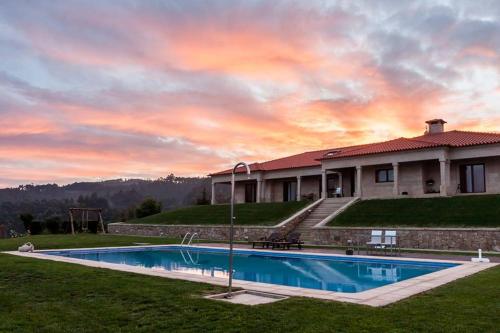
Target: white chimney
x,y
435,126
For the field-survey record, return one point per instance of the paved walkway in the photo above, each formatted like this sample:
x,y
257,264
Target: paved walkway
x,y
418,255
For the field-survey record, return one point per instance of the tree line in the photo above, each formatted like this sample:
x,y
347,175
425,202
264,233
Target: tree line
x,y
120,200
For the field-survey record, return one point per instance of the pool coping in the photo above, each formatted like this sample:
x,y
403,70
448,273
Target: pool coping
x,y
375,297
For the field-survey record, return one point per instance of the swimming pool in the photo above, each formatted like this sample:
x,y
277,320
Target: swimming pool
x,y
320,272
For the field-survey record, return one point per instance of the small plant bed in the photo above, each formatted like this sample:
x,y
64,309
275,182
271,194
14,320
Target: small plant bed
x,y
461,211
246,214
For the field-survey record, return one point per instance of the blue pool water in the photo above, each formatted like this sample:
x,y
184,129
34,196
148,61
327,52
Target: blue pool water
x,y
333,273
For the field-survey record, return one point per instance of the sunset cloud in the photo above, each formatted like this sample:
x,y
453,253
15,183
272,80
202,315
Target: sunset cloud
x,y
93,89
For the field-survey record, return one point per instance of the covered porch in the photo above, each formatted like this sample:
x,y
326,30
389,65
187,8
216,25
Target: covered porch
x,y
281,189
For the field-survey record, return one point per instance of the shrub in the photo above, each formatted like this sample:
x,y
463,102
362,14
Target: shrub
x,y
203,200
53,224
65,228
27,219
148,207
93,225
36,227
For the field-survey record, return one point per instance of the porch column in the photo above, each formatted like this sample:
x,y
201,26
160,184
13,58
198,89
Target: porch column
x,y
395,189
444,166
323,184
263,191
299,180
259,190
359,177
340,184
212,201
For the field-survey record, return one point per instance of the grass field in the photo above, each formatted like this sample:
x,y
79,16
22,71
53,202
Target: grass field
x,y
43,242
462,211
43,296
246,214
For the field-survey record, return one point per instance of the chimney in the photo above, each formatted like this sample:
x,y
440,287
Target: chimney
x,y
435,126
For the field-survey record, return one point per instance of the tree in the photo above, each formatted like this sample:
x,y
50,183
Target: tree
x,y
27,219
203,200
53,224
148,207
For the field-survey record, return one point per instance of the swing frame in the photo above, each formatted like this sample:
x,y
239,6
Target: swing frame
x,y
85,218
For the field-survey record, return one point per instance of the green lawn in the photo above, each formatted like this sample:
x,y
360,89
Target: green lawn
x,y
43,296
462,211
42,242
246,214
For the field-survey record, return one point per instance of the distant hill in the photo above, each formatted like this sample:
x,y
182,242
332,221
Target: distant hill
x,y
118,197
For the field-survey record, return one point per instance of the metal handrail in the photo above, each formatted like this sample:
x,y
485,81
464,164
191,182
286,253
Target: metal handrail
x,y
184,239
192,236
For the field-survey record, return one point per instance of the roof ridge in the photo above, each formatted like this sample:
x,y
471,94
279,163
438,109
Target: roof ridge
x,y
455,131
476,132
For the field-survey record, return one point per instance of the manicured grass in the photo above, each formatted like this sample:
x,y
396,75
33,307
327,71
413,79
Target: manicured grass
x,y
462,211
42,242
43,296
246,214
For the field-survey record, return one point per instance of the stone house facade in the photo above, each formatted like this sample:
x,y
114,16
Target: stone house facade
x,y
438,163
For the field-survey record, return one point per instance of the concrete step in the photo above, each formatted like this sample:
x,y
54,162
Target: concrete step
x,y
325,209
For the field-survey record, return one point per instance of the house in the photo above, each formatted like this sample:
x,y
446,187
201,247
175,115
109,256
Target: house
x,y
438,163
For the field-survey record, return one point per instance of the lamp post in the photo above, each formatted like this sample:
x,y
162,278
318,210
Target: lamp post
x,y
231,228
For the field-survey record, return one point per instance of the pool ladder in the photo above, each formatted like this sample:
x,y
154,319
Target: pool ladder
x,y
193,235
189,259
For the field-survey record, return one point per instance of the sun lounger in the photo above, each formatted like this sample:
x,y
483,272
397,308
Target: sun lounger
x,y
375,241
390,241
267,241
293,239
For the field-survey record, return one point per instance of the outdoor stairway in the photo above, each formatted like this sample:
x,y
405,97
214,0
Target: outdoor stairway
x,y
326,208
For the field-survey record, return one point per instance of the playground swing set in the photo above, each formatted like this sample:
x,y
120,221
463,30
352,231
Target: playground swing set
x,y
83,213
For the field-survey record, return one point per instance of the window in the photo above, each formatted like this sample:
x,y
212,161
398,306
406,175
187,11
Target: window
x,y
250,192
472,178
384,176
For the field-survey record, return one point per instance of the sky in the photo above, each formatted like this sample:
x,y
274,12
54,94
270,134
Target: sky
x,y
94,89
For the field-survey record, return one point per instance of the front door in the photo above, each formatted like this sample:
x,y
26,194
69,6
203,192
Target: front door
x,y
250,192
331,185
289,191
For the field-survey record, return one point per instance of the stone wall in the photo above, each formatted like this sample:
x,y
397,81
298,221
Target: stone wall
x,y
215,232
211,232
416,238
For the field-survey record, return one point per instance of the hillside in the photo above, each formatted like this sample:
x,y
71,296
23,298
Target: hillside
x,y
269,213
117,197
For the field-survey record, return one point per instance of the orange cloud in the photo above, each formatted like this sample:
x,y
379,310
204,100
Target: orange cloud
x,y
100,91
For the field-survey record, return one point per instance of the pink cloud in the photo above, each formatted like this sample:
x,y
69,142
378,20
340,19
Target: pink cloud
x,y
102,91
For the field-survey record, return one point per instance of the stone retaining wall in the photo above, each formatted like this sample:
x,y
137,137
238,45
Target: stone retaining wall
x,y
416,238
210,232
214,232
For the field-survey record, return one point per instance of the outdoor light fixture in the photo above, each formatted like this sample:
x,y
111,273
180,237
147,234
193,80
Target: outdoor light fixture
x,y
231,228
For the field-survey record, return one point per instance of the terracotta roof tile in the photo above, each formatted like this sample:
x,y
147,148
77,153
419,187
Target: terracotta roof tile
x,y
302,160
460,138
313,158
383,147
